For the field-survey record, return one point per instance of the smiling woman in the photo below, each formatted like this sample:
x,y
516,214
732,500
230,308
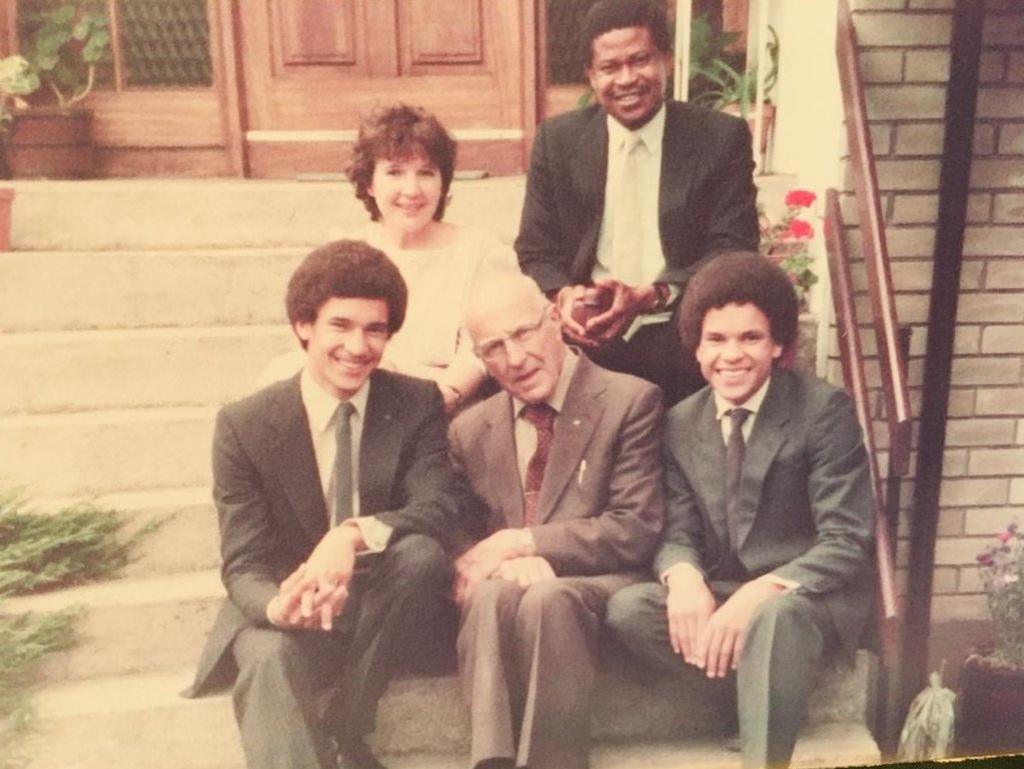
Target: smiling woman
x,y
402,168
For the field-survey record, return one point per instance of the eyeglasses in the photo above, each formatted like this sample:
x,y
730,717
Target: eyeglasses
x,y
495,350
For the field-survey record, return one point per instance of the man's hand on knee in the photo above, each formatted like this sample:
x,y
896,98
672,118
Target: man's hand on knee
x,y
689,606
285,609
721,644
526,571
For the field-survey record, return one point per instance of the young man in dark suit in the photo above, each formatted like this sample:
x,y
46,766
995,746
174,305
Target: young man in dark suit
x,y
632,195
334,492
765,564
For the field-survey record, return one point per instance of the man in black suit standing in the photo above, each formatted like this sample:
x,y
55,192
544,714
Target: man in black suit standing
x,y
632,195
334,492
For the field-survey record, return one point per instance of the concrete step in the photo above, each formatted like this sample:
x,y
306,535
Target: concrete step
x,y
97,452
81,370
187,539
58,290
140,721
120,214
129,625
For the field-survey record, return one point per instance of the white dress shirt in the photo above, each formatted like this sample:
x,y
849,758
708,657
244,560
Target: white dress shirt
x,y
322,414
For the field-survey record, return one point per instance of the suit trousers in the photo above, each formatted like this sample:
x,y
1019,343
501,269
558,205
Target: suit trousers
x,y
526,659
782,653
656,354
298,689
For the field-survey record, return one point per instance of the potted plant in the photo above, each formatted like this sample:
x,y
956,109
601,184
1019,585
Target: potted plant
x,y
785,242
17,80
63,45
732,88
992,682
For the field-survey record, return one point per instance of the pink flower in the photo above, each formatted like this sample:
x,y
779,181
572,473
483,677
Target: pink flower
x,y
800,198
1005,536
799,230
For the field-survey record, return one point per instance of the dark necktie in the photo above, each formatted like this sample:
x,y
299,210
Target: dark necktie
x,y
734,451
541,416
343,463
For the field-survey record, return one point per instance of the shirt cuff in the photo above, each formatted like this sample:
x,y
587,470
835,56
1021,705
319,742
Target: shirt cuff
x,y
375,532
527,542
682,565
788,584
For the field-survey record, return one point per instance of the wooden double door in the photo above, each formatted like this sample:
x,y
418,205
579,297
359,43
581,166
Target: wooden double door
x,y
310,69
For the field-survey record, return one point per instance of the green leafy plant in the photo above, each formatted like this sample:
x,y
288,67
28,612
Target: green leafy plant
x,y
1002,572
17,80
785,241
64,44
40,551
730,85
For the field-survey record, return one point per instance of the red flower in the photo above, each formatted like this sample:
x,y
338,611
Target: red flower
x,y
799,230
800,198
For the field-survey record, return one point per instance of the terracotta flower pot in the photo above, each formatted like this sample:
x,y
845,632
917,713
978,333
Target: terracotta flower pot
x,y
991,708
45,142
6,204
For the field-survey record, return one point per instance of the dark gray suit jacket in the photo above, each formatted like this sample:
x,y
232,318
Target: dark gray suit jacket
x,y
271,504
706,202
805,497
601,502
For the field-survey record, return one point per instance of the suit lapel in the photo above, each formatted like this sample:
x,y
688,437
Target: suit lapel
x,y
676,171
574,427
501,463
296,462
589,170
379,446
709,464
765,441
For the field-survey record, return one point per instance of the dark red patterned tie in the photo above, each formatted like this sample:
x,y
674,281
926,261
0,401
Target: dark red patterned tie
x,y
541,416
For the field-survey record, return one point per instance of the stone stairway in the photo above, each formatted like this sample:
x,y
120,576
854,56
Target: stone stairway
x,y
130,311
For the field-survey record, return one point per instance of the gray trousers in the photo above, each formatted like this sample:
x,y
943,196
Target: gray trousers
x,y
297,690
526,660
782,654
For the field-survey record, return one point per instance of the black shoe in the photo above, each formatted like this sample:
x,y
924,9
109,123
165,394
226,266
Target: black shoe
x,y
355,755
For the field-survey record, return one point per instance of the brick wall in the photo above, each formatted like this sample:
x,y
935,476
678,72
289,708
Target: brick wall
x,y
904,46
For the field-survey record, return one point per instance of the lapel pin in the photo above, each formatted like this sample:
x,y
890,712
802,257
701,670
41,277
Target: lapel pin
x,y
575,423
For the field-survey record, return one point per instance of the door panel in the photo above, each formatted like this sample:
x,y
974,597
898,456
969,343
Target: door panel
x,y
320,64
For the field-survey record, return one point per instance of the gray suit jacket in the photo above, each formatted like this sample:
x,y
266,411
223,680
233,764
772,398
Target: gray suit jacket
x,y
706,198
601,503
805,499
271,506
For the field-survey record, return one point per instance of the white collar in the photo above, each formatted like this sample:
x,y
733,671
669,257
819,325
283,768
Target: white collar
x,y
321,405
557,398
650,132
751,404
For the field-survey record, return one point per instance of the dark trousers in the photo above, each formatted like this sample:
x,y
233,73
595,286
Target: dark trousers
x,y
654,353
297,690
782,653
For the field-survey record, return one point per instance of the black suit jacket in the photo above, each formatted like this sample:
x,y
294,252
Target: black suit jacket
x,y
271,506
707,202
805,509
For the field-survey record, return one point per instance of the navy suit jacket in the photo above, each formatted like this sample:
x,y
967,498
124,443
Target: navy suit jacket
x,y
707,202
271,504
805,506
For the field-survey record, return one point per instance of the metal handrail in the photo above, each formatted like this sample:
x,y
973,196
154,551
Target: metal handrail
x,y
852,358
876,254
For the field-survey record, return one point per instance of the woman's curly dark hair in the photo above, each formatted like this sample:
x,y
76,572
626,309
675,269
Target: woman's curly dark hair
x,y
400,131
740,277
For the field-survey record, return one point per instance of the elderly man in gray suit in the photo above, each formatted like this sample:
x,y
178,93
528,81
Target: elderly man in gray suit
x,y
765,565
565,468
334,493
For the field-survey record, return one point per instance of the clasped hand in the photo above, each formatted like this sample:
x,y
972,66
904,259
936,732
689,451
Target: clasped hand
x,y
711,639
627,302
503,555
315,593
